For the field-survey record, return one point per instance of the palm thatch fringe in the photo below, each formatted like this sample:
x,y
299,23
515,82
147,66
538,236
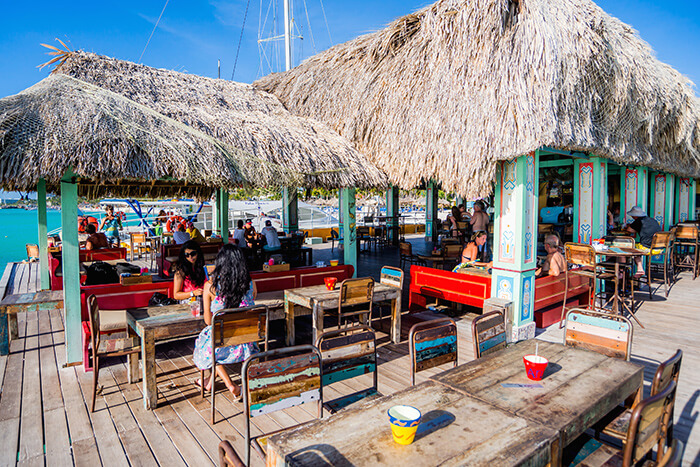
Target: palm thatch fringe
x,y
131,130
447,91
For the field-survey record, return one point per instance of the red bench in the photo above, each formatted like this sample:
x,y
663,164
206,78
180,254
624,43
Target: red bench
x,y
101,254
116,297
549,295
298,277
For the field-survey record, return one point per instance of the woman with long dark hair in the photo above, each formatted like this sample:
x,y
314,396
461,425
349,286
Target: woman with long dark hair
x,y
229,286
189,272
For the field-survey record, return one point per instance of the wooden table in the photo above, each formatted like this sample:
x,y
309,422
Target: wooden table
x,y
12,304
315,299
435,259
622,253
455,429
578,389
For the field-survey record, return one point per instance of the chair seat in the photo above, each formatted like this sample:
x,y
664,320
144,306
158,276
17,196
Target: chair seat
x,y
342,402
588,451
125,345
617,428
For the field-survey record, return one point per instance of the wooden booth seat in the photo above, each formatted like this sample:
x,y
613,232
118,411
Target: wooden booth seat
x,y
549,297
169,250
101,254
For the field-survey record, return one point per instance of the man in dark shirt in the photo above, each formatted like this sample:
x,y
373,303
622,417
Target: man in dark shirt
x,y
645,227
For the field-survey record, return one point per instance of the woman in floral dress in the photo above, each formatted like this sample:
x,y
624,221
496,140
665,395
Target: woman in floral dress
x,y
229,287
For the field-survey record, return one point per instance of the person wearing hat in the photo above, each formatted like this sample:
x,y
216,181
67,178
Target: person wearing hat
x,y
251,236
645,227
271,236
194,233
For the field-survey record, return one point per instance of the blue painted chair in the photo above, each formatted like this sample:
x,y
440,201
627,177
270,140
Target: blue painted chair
x,y
489,333
347,354
432,343
389,276
604,333
276,380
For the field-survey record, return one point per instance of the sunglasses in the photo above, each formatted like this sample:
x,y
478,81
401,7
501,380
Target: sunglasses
x,y
191,254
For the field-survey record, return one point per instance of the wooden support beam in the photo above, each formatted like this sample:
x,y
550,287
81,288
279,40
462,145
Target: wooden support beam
x,y
71,267
43,234
349,224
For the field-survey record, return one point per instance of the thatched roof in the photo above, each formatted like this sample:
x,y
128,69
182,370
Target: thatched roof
x,y
445,92
130,130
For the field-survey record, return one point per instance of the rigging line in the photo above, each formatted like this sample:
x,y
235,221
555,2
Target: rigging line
x,y
326,21
154,30
240,39
311,33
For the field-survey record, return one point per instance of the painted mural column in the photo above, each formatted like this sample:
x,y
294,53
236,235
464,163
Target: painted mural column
x,y
590,199
392,209
431,212
349,224
43,234
685,208
515,236
634,185
662,197
290,210
71,267
222,205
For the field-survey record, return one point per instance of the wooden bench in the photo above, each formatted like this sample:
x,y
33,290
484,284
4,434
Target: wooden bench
x,y
549,295
170,250
84,256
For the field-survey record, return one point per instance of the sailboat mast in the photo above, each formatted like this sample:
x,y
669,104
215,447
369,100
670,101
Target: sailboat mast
x,y
287,37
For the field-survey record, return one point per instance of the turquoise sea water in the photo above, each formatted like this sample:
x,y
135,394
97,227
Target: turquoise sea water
x,y
20,227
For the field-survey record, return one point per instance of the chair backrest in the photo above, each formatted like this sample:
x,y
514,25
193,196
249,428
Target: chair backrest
x,y
666,372
390,275
138,237
461,225
661,240
580,254
687,232
362,230
209,268
452,251
604,333
432,343
94,312
334,234
672,457
489,333
648,424
235,326
32,250
405,249
278,379
623,242
357,291
347,353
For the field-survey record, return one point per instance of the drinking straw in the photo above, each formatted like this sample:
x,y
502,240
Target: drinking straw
x,y
537,348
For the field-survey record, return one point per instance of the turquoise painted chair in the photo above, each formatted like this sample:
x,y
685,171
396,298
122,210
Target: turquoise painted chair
x,y
489,333
604,333
348,354
432,343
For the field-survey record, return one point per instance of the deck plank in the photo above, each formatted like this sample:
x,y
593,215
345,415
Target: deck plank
x,y
5,280
31,442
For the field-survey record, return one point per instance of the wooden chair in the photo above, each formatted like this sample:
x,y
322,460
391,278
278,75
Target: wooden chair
x,y
228,456
32,251
489,333
432,343
355,299
648,425
686,240
113,347
661,244
235,326
347,354
452,254
406,255
583,258
604,333
622,242
276,380
392,276
333,238
617,423
139,244
363,235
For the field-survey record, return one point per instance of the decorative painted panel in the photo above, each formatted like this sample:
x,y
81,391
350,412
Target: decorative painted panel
x,y
505,288
602,200
506,249
631,180
659,212
585,203
684,199
528,298
530,208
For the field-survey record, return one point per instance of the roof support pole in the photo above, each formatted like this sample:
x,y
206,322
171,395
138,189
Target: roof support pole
x,y
662,193
43,234
431,212
349,224
290,212
392,212
634,190
71,267
222,206
515,237
215,212
590,199
685,208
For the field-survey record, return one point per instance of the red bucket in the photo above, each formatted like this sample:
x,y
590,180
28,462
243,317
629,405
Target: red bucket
x,y
535,366
330,282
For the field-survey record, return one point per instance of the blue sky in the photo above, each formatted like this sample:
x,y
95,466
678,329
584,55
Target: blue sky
x,y
193,34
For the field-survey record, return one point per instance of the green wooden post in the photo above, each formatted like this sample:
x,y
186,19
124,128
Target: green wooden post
x,y
634,185
590,199
685,190
222,204
290,210
515,234
662,193
431,212
349,224
392,209
71,268
43,233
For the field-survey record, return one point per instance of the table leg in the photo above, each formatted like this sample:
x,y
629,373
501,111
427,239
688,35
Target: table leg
x,y
289,316
317,322
148,358
616,303
396,320
133,370
4,332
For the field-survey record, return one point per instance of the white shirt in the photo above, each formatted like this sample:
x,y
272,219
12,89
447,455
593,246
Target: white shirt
x,y
273,240
239,237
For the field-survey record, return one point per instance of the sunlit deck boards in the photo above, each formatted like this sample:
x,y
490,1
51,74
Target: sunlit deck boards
x,y
20,278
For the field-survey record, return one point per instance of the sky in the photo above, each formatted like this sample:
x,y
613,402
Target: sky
x,y
193,34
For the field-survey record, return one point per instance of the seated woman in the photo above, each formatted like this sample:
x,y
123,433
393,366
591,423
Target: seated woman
x,y
95,239
476,253
229,287
453,218
555,263
189,272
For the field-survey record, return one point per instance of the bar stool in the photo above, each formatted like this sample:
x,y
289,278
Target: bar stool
x,y
686,239
661,244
